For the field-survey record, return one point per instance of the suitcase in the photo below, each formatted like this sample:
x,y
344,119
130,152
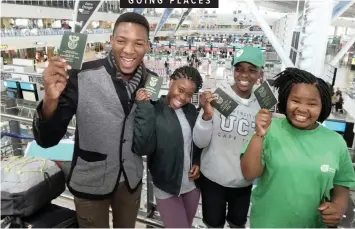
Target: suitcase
x,y
50,216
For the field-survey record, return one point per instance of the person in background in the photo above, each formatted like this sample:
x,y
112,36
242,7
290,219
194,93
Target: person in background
x,y
334,101
304,169
104,170
222,139
339,103
163,130
338,92
45,57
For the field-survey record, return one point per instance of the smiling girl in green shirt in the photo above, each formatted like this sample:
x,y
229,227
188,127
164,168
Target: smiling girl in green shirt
x,y
304,169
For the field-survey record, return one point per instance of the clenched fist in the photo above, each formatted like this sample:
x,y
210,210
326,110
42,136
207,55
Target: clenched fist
x,y
55,78
142,95
262,122
205,101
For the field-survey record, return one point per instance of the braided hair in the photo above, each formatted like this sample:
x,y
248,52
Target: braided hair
x,y
291,76
190,73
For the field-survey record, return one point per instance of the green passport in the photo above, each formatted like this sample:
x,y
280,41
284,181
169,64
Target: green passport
x,y
72,48
223,102
153,86
265,96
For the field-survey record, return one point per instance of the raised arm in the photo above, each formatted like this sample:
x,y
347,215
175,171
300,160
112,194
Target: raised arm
x,y
251,161
144,135
60,101
202,132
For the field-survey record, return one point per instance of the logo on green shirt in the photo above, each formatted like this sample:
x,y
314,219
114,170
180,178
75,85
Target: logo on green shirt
x,y
327,169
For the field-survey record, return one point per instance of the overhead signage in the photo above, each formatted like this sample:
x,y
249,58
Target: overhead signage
x,y
82,13
35,79
5,75
182,19
163,19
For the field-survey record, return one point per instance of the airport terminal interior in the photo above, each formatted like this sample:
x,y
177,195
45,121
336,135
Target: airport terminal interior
x,y
313,36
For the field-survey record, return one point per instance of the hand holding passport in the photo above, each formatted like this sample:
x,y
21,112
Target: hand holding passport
x,y
153,86
223,102
265,96
226,105
72,48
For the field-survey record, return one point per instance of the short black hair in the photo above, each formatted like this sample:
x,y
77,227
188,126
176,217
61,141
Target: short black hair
x,y
291,76
133,18
190,73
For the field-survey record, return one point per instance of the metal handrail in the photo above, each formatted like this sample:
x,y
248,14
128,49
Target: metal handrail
x,y
22,73
23,119
142,219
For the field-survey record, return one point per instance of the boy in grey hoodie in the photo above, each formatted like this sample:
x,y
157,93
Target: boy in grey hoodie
x,y
222,138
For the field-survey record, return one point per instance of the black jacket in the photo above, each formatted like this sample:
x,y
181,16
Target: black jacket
x,y
158,134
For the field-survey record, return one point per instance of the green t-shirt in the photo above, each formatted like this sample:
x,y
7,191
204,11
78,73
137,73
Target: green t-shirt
x,y
299,167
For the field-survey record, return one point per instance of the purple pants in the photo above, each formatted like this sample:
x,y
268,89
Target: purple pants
x,y
179,211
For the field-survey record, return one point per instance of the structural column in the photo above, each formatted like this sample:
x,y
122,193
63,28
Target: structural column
x,y
269,33
317,18
343,51
335,31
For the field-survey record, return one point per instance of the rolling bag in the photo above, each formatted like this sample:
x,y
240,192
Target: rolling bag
x,y
50,216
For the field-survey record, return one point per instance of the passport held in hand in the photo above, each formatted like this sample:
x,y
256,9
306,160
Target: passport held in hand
x,y
265,96
72,48
153,86
223,102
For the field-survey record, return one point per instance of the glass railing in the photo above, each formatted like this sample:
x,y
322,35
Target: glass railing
x,y
17,115
60,31
18,123
16,132
46,32
106,7
63,4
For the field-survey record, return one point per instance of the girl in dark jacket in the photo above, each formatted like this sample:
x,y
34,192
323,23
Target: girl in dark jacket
x,y
163,131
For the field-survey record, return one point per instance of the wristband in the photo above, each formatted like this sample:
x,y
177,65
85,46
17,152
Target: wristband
x,y
258,135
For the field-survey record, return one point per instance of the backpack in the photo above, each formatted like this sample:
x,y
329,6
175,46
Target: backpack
x,y
28,184
49,216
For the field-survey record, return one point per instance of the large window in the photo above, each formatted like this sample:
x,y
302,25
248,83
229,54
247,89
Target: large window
x,y
294,46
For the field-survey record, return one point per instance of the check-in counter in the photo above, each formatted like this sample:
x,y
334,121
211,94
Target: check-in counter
x,y
343,127
13,89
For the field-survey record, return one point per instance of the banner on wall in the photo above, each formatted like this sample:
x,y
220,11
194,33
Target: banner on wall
x,y
182,19
163,19
83,11
139,10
